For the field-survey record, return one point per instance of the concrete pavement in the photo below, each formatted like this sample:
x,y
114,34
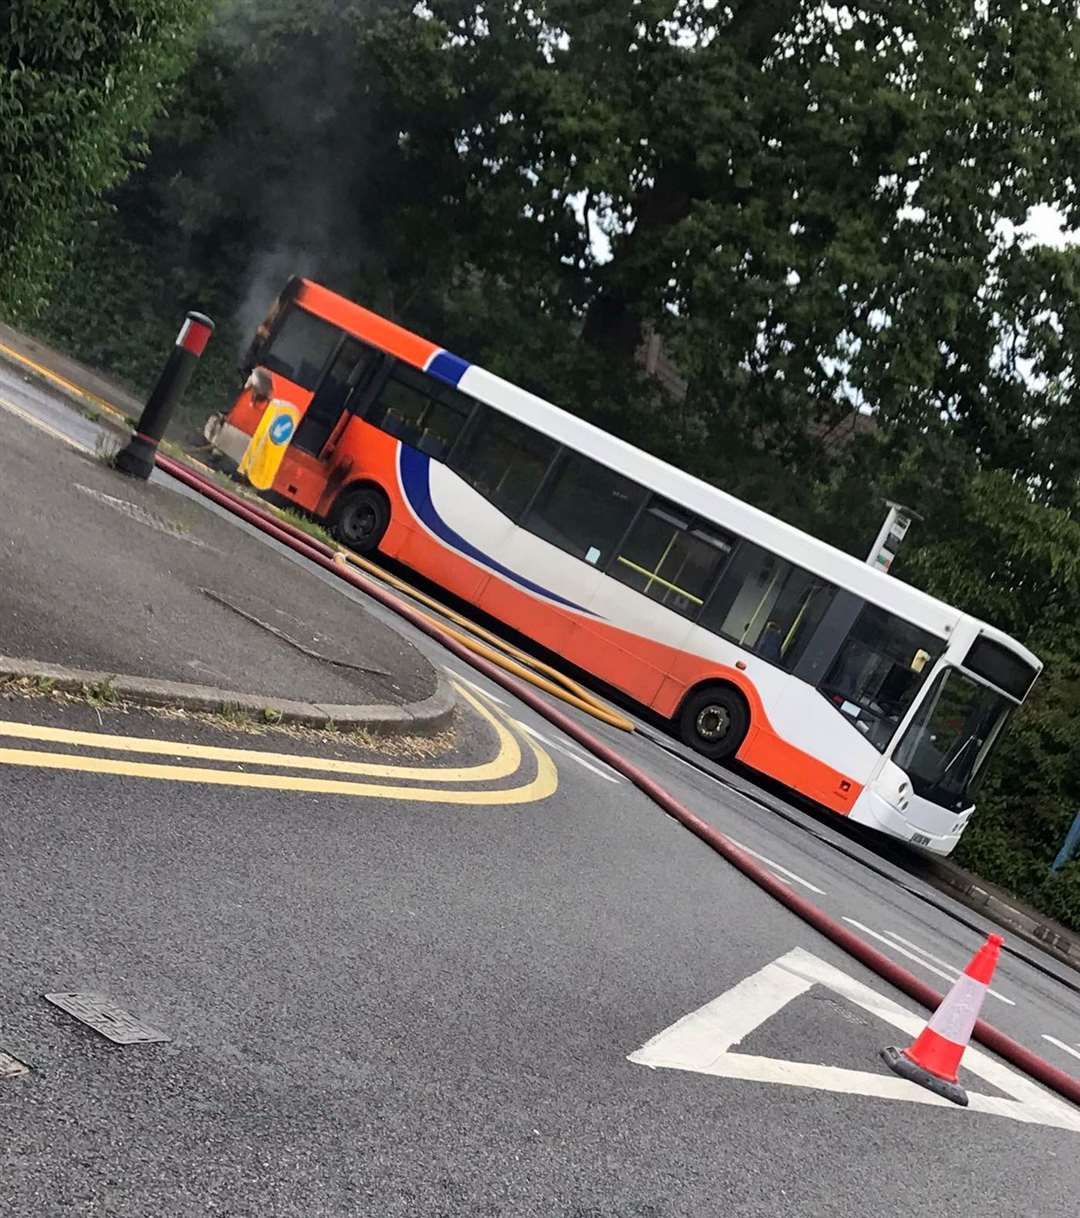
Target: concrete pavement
x,y
135,580
384,1007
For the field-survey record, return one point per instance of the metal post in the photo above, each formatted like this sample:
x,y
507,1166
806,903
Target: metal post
x,y
892,534
137,458
1068,848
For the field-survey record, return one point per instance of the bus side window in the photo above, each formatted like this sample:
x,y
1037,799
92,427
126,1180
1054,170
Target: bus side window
x,y
420,410
502,459
399,407
767,605
442,423
671,559
584,508
881,664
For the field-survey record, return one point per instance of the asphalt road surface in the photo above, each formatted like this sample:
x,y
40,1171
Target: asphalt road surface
x,y
406,993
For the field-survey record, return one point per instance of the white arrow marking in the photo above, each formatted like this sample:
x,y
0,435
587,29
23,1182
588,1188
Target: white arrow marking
x,y
554,744
950,976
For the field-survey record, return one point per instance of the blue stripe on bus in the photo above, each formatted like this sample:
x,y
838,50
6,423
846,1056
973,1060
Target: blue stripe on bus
x,y
447,367
416,482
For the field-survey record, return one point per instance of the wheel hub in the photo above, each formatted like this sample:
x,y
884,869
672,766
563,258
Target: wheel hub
x,y
713,722
361,521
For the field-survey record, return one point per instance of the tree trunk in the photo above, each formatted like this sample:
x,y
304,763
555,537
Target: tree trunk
x,y
615,321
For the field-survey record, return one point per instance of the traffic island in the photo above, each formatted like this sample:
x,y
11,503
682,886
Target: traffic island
x,y
174,603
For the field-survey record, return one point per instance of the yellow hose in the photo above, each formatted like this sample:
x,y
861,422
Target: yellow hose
x,y
508,657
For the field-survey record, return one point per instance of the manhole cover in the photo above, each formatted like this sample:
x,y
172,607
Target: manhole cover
x,y
11,1067
97,1012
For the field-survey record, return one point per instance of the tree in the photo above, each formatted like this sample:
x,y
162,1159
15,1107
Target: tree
x,y
80,81
995,552
812,202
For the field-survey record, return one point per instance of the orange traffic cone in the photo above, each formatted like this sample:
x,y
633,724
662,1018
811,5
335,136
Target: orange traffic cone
x,y
934,1059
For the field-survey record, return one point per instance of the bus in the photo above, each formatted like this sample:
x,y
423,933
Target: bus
x,y
756,641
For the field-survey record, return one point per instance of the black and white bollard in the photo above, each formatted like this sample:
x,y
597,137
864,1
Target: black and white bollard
x,y
137,457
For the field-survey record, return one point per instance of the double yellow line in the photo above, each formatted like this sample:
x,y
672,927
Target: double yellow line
x,y
506,762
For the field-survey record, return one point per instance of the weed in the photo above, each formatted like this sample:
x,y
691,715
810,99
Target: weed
x,y
107,449
270,715
305,524
102,693
232,715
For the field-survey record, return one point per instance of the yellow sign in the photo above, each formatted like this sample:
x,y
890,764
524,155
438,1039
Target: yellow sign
x,y
266,448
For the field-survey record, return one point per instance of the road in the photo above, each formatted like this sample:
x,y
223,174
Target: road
x,y
388,1001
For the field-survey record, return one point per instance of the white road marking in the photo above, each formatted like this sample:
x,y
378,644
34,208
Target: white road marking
x,y
559,747
472,685
41,425
11,1067
777,867
573,744
950,976
702,1042
937,960
1061,1045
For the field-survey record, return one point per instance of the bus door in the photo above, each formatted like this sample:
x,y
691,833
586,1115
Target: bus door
x,y
327,406
307,464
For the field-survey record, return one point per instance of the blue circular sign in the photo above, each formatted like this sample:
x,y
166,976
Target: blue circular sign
x,y
281,430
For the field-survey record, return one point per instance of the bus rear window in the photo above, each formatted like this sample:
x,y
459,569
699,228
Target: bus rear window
x,y
1001,667
301,347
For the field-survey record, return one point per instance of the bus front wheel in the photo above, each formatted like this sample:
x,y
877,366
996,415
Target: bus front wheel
x,y
359,519
714,721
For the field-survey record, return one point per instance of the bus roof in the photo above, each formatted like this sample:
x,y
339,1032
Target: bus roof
x,y
705,500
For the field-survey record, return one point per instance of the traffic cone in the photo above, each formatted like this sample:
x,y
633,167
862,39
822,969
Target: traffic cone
x,y
933,1061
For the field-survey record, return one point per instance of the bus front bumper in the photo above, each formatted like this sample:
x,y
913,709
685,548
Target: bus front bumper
x,y
921,823
230,441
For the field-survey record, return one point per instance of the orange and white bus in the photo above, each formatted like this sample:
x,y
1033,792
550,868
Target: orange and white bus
x,y
757,641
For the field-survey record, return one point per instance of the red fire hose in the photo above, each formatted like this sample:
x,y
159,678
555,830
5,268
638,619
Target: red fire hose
x,y
1012,1051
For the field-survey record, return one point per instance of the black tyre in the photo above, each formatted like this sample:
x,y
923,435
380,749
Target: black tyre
x,y
359,519
714,721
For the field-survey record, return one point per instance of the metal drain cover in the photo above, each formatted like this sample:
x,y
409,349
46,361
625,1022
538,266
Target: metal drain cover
x,y
97,1012
11,1067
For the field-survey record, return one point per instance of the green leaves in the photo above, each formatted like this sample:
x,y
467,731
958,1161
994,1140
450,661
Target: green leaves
x,y
991,549
80,81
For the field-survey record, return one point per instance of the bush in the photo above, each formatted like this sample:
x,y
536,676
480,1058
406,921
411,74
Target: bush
x,y
80,81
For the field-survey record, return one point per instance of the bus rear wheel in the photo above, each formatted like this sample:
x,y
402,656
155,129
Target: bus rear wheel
x,y
714,722
359,519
